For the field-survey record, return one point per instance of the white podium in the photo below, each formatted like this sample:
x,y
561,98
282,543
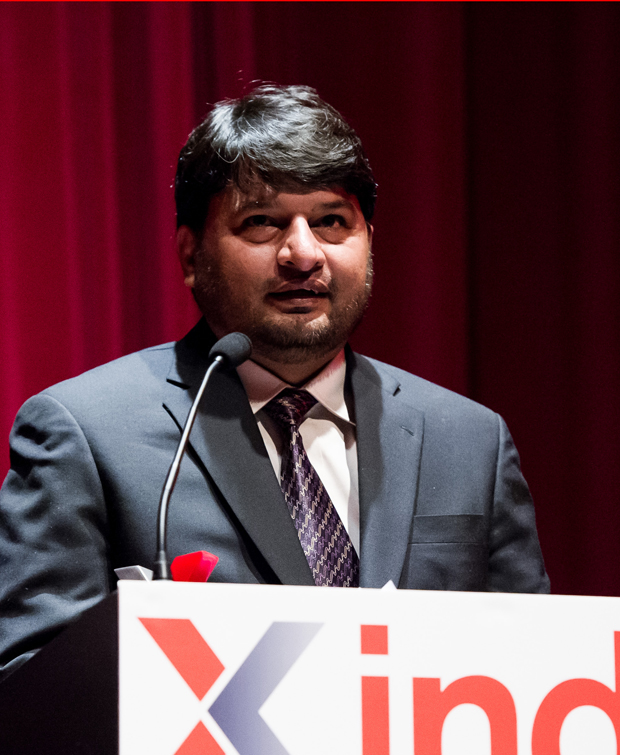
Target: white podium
x,y
217,669
277,670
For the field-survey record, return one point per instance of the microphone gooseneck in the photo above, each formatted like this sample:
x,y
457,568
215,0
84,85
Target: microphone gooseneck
x,y
229,352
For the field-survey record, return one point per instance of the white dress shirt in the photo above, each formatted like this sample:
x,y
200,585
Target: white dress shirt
x,y
327,432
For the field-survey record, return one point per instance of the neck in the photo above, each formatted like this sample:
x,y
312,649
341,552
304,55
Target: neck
x,y
295,374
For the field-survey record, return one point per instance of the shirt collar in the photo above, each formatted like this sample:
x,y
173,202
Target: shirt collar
x,y
327,387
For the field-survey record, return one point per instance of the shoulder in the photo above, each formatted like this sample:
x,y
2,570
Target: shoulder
x,y
142,372
430,398
124,390
131,373
122,387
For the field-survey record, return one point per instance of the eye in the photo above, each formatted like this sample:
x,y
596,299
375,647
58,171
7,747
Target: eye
x,y
332,221
258,221
259,229
333,228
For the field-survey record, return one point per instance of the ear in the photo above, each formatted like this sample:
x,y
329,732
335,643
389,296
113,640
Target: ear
x,y
369,230
187,248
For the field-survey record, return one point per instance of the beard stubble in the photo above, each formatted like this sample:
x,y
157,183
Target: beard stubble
x,y
279,337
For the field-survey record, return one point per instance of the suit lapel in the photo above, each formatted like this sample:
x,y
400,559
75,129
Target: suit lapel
x,y
226,431
389,444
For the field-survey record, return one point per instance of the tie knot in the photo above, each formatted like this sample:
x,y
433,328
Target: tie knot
x,y
290,406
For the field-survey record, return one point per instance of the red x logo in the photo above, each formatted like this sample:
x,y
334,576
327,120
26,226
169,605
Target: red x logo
x,y
236,709
192,657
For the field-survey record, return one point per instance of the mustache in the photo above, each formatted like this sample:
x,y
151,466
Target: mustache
x,y
321,286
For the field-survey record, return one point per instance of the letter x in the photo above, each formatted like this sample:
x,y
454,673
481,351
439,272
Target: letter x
x,y
236,708
192,657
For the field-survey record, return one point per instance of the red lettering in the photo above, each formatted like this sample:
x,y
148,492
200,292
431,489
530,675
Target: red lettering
x,y
374,639
431,706
570,695
375,715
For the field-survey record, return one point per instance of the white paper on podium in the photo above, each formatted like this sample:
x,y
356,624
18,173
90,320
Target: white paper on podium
x,y
299,649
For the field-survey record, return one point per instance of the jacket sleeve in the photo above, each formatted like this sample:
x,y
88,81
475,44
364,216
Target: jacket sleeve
x,y
53,525
515,558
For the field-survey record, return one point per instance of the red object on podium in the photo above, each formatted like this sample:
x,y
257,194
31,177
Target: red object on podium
x,y
193,567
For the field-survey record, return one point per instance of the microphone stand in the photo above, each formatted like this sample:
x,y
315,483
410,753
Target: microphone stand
x,y
229,351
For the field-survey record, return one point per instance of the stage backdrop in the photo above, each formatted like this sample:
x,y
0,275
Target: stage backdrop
x,y
494,133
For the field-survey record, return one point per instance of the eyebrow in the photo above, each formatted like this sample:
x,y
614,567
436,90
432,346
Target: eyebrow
x,y
337,204
254,204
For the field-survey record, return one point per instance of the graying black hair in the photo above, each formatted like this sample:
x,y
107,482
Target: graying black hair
x,y
286,137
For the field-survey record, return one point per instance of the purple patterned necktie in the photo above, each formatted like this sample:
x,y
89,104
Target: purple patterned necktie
x,y
326,543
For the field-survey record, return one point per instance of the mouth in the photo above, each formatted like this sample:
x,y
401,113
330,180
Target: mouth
x,y
296,294
308,298
301,290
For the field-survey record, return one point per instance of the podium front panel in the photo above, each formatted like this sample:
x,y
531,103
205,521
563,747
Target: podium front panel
x,y
270,670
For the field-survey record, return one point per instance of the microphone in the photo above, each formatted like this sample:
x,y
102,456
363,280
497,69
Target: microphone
x,y
232,350
229,352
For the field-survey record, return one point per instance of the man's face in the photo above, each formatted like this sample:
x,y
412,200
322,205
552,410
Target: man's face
x,y
292,271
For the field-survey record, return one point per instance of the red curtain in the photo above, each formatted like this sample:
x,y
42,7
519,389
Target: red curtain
x,y
493,130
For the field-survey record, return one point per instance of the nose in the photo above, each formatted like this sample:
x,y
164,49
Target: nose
x,y
300,248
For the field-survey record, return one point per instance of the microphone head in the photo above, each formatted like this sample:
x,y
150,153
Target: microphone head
x,y
235,348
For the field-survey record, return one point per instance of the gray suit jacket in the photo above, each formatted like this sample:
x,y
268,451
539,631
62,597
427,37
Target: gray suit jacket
x,y
443,504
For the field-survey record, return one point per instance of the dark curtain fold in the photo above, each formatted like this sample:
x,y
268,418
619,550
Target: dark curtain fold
x,y
544,200
493,131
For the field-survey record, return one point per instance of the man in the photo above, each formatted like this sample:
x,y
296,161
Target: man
x,y
410,482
